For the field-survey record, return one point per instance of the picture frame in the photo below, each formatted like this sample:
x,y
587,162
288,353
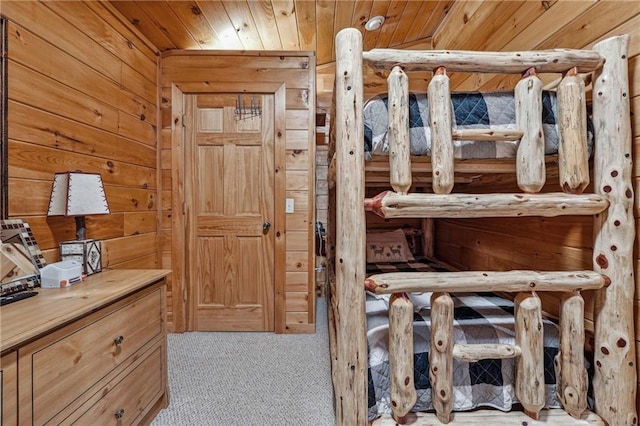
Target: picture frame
x,y
20,257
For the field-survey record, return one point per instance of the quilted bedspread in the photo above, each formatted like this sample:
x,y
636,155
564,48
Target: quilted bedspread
x,y
419,264
487,110
479,318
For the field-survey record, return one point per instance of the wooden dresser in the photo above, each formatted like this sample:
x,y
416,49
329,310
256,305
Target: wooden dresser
x,y
93,353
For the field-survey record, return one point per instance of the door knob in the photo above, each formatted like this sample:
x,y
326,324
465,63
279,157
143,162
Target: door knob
x,y
265,227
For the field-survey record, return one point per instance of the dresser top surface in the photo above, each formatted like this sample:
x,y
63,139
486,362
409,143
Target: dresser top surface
x,y
22,321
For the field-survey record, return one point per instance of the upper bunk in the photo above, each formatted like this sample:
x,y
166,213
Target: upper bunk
x,y
486,127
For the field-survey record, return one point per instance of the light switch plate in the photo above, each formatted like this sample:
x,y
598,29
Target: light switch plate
x,y
288,205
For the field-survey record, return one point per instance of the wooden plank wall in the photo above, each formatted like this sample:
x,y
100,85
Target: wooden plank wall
x,y
83,96
322,210
294,70
545,244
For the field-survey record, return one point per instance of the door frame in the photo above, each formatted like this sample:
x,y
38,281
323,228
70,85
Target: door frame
x,y
182,308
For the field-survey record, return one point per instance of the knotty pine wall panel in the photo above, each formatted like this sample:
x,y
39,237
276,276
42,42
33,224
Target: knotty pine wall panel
x,y
83,95
534,243
198,70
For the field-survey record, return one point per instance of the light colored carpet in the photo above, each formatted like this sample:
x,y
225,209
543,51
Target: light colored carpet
x,y
250,378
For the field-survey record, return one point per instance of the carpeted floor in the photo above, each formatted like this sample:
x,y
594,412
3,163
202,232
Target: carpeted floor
x,y
250,378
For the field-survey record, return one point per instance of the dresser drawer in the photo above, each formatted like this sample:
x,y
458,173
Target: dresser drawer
x,y
9,389
126,399
64,369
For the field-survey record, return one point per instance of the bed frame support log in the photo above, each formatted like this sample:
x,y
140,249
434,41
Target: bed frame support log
x,y
615,375
554,61
478,281
492,417
486,135
441,355
401,385
530,163
391,205
422,165
350,388
529,381
572,134
428,237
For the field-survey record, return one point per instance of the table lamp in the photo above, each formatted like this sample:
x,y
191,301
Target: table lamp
x,y
79,194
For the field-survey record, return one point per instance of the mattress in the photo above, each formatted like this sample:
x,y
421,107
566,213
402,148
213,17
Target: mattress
x,y
485,110
479,318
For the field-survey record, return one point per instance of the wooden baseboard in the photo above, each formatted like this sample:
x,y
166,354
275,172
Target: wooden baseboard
x,y
160,404
300,329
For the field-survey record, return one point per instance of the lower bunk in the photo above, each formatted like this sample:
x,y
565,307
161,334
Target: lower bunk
x,y
483,390
479,318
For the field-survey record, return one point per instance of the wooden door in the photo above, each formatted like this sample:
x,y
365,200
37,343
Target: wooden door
x,y
230,197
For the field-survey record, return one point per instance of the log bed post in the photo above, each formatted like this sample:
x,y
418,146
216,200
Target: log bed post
x,y
441,122
441,355
401,386
571,373
428,237
573,154
530,165
529,380
614,381
331,234
350,386
398,131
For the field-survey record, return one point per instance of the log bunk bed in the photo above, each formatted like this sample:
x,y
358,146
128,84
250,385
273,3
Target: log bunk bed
x,y
613,381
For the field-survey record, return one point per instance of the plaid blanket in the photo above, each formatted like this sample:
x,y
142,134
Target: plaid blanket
x,y
420,264
479,318
486,110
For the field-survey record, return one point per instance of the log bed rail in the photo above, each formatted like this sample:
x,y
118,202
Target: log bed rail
x,y
614,381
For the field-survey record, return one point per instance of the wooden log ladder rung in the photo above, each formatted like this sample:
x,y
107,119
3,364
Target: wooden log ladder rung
x,y
544,61
474,281
389,204
480,351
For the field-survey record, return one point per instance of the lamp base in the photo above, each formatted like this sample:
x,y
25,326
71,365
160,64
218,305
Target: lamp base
x,y
81,228
87,252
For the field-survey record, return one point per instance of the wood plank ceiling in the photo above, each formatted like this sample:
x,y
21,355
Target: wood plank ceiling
x,y
281,24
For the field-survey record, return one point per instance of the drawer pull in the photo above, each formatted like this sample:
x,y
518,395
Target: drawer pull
x,y
120,414
118,340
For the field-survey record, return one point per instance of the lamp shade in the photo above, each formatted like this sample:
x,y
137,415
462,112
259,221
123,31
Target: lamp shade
x,y
77,194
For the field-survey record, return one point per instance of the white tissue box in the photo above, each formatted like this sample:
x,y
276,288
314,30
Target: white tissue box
x,y
61,274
